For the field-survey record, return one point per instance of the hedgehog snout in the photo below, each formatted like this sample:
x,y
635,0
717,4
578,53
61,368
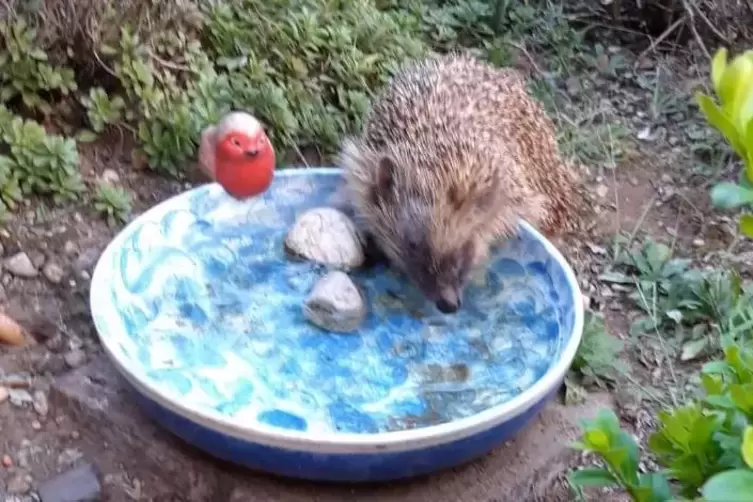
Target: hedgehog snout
x,y
449,301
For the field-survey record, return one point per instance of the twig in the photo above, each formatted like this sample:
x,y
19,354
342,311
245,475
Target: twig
x,y
713,28
661,38
691,18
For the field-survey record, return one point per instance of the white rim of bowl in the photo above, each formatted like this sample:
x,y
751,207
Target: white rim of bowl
x,y
348,443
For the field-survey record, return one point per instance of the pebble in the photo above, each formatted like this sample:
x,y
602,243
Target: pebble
x,y
110,177
36,425
20,397
16,380
335,303
7,461
602,191
41,406
2,250
326,235
75,358
80,484
21,265
70,248
19,484
4,393
53,272
699,243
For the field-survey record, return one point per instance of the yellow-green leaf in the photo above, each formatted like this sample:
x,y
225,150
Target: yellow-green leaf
x,y
747,449
719,120
737,80
718,65
596,439
746,225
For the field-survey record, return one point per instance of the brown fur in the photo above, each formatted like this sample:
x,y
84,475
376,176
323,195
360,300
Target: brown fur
x,y
453,153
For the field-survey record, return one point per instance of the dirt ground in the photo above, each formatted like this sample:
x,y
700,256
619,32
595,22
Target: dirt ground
x,y
656,189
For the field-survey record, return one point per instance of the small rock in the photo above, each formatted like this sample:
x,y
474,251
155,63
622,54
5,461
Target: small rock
x,y
52,364
335,303
76,485
666,178
4,393
602,191
53,272
326,235
21,265
16,380
18,485
7,461
36,425
75,358
20,397
41,406
69,456
2,250
70,248
110,177
699,243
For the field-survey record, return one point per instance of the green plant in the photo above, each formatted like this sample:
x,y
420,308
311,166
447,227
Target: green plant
x,y
672,293
101,109
39,163
308,68
112,202
733,118
705,446
596,362
24,68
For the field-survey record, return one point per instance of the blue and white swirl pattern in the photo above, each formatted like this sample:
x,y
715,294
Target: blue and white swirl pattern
x,y
198,299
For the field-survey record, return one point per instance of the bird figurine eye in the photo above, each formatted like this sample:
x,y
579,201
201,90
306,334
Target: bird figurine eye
x,y
236,142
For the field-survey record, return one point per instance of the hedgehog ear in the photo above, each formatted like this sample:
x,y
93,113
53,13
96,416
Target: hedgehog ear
x,y
385,172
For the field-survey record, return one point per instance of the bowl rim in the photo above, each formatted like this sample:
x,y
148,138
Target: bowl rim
x,y
342,443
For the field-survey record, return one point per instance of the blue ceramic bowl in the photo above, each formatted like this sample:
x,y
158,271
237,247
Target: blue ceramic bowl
x,y
199,309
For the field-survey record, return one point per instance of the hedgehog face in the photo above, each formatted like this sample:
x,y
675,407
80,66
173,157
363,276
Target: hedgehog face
x,y
408,220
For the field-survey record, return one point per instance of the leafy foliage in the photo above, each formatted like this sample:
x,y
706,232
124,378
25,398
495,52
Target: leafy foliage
x,y
112,202
672,293
308,68
37,162
733,118
25,71
705,446
597,360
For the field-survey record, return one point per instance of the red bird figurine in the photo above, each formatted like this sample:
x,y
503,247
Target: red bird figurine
x,y
237,154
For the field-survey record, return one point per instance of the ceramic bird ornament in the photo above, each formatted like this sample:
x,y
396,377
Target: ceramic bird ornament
x,y
237,154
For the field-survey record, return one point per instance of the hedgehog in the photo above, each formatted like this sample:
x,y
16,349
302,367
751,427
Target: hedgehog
x,y
453,153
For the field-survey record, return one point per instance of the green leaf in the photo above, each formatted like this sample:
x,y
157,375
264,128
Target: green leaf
x,y
747,448
730,195
592,477
746,225
86,136
718,65
729,486
721,122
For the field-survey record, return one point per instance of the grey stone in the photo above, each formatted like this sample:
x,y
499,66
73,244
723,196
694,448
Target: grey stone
x,y
53,272
335,303
80,484
21,265
326,235
75,358
19,484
